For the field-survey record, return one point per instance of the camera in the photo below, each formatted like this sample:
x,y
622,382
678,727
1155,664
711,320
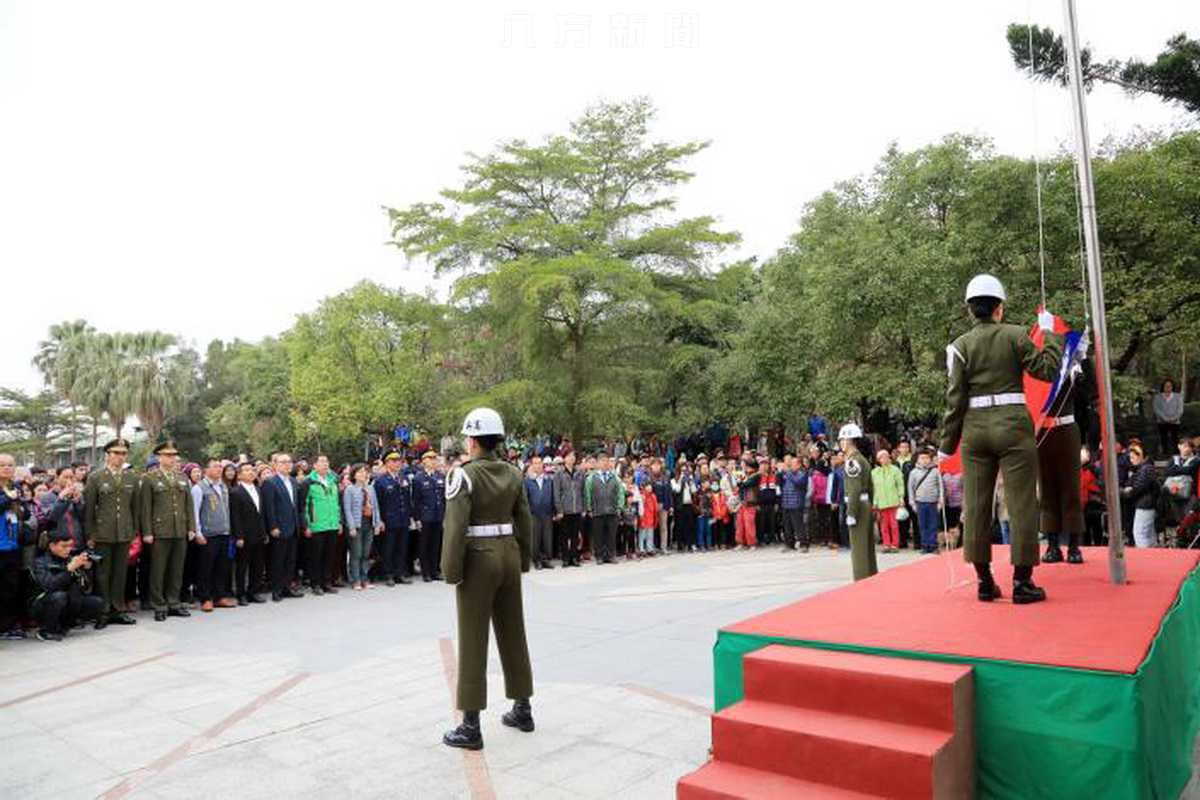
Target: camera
x,y
92,555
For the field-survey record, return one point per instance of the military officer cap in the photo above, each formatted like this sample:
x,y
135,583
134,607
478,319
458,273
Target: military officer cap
x,y
985,285
166,448
115,443
430,453
393,456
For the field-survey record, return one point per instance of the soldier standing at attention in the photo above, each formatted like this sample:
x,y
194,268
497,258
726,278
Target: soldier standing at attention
x,y
985,411
1059,444
429,510
168,523
109,512
858,503
488,544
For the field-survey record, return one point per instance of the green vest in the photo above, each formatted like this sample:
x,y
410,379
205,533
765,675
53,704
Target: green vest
x,y
321,511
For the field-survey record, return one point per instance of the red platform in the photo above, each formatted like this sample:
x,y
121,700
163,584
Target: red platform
x,y
930,606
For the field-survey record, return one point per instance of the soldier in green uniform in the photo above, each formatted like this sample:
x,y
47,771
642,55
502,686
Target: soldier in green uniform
x,y
168,523
110,520
487,541
1058,467
986,412
858,503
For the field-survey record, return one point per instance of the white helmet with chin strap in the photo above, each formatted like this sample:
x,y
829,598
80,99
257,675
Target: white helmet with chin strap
x,y
985,286
483,422
850,431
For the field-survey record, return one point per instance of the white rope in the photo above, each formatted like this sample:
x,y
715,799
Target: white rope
x,y
1037,162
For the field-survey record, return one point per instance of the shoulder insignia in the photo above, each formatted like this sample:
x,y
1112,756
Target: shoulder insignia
x,y
853,470
455,482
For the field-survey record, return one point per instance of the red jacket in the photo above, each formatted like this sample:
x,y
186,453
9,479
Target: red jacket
x,y
1089,486
649,516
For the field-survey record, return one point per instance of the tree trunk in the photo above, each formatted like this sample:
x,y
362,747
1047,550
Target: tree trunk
x,y
1127,355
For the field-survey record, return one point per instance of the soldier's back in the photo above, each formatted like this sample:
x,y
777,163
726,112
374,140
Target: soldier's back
x,y
494,486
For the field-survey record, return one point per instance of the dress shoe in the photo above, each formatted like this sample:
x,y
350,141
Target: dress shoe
x,y
207,606
256,598
391,582
276,597
466,736
160,616
292,593
330,590
243,600
1074,555
1053,555
180,611
521,716
120,618
429,578
403,580
226,602
1027,592
101,624
537,565
989,591
546,565
318,591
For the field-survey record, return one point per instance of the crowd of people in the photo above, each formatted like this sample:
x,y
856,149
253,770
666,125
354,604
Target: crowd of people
x,y
99,545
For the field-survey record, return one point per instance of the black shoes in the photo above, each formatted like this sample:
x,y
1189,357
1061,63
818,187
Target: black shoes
x,y
1024,591
160,616
178,611
101,624
1053,555
1074,555
318,591
291,593
330,590
255,598
243,600
989,591
521,716
276,597
121,618
547,565
49,636
466,736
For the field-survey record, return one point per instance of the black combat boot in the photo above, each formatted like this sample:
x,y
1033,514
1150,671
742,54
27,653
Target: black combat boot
x,y
1024,589
1053,551
988,590
1074,554
467,735
521,716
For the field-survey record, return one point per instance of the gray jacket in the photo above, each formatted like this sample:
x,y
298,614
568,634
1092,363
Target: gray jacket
x,y
568,491
353,502
212,507
924,487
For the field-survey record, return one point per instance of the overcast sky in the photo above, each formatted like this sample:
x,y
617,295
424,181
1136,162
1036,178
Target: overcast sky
x,y
214,168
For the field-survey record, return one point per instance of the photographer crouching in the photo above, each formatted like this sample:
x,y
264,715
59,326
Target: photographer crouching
x,y
63,588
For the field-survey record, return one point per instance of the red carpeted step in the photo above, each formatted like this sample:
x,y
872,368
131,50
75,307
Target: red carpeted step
x,y
837,749
893,689
718,780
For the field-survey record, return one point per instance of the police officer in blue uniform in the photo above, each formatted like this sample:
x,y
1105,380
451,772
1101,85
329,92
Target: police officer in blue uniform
x,y
429,503
395,509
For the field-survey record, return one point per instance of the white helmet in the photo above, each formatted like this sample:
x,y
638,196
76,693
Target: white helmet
x,y
483,422
985,286
850,431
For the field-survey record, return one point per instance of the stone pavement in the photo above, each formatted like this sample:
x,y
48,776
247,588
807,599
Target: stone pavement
x,y
349,695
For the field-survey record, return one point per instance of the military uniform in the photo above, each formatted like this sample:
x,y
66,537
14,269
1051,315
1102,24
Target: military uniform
x,y
1058,469
858,507
986,412
168,515
111,522
429,509
488,544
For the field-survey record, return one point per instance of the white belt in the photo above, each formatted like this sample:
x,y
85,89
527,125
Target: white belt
x,y
1058,422
484,531
989,400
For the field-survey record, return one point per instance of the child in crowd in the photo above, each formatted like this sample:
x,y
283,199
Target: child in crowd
x,y
647,520
704,521
627,523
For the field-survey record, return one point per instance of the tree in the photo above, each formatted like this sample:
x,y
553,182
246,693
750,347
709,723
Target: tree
x,y
60,358
563,240
1174,75
246,392
34,424
157,377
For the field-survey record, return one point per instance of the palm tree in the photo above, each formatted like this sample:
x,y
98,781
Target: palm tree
x,y
99,384
59,359
156,381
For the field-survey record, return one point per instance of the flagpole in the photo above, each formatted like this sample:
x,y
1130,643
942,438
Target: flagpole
x,y
1087,195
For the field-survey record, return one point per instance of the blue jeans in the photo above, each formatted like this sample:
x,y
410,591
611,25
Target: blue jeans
x,y
704,533
1004,531
360,553
927,518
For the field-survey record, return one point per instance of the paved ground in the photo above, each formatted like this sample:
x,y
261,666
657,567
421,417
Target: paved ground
x,y
348,695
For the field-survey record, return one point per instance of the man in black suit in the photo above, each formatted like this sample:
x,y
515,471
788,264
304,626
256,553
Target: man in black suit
x,y
249,531
281,513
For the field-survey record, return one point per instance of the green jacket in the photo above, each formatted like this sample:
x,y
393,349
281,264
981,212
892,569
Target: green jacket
x,y
887,484
322,511
166,505
991,359
110,507
609,501
858,486
484,491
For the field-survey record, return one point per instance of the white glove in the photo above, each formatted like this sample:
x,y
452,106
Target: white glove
x,y
851,522
1046,321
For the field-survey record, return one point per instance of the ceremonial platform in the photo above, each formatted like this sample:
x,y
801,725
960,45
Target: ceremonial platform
x,y
1094,693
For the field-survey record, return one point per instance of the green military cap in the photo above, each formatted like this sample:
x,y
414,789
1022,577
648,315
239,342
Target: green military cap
x,y
115,443
166,448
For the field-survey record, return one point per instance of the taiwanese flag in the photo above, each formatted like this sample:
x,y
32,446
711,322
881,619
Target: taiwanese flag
x,y
1039,395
